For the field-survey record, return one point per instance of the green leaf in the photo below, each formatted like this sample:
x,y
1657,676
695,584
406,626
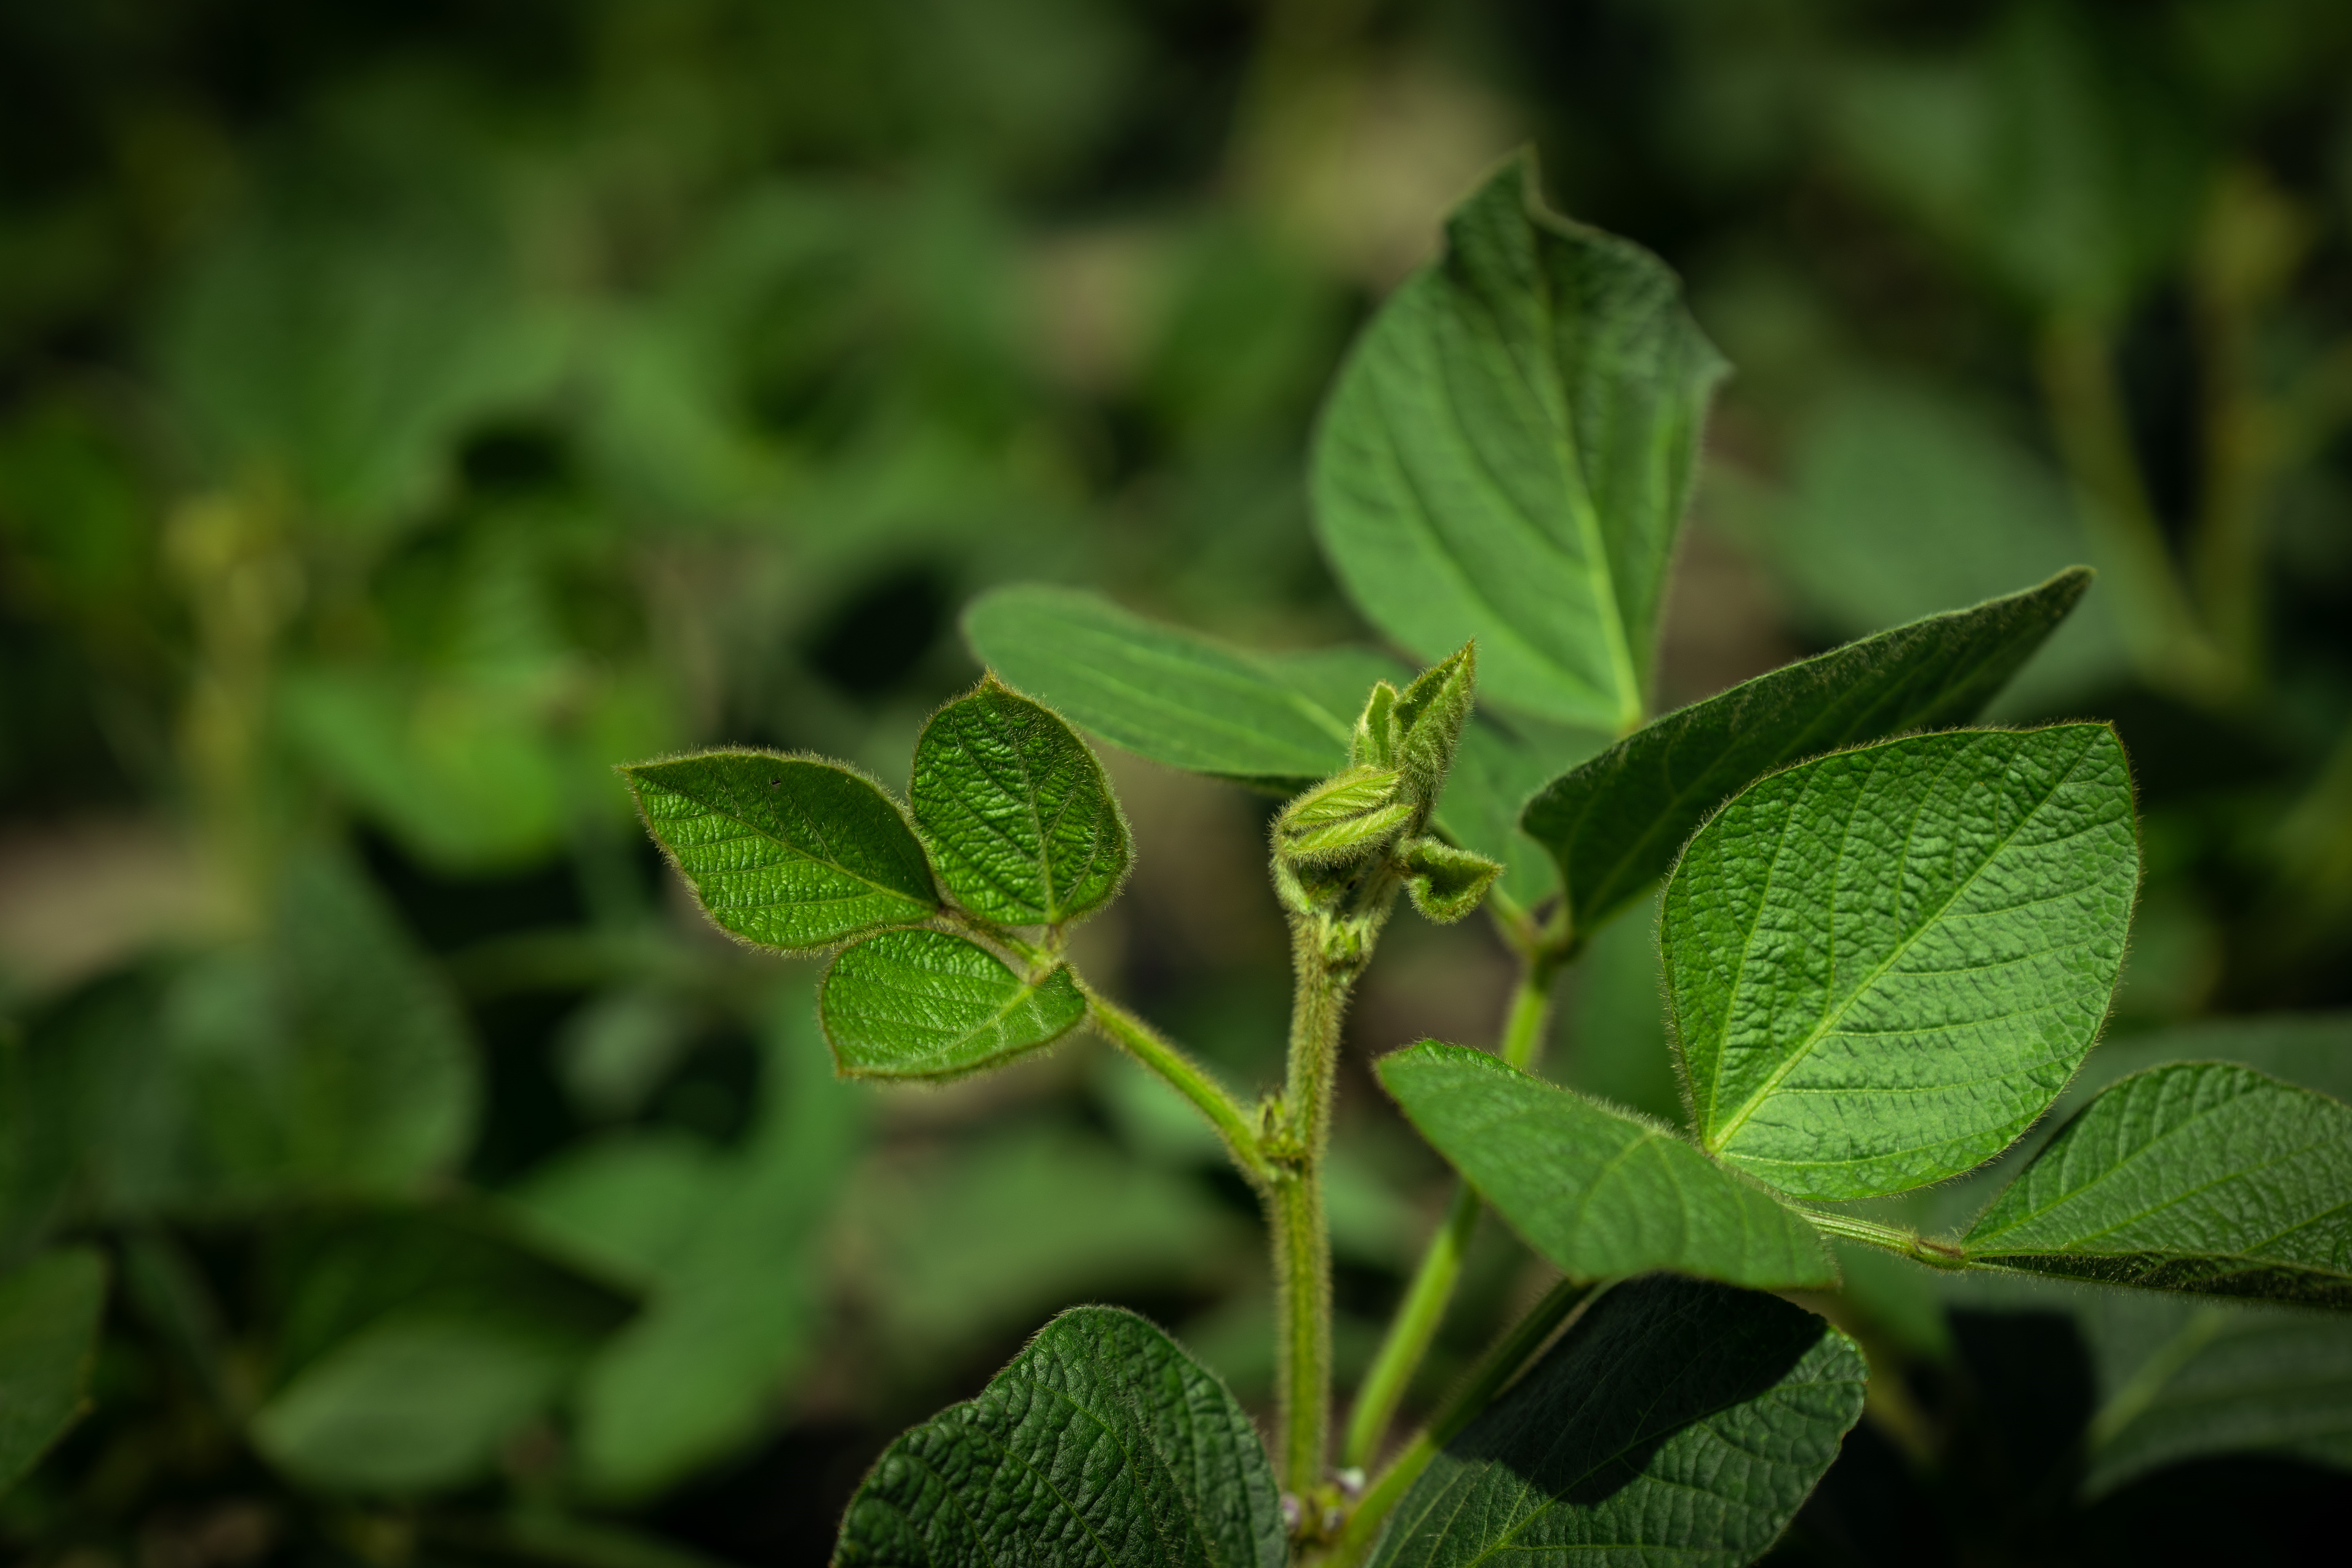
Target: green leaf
x,y
1101,1443
1019,818
924,1004
1676,1421
1615,823
410,1405
49,1328
1508,453
1883,964
785,851
1601,1193
1446,883
2204,1177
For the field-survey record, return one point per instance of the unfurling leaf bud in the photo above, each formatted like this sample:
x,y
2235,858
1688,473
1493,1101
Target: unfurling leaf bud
x,y
1446,883
1428,719
1375,742
1347,816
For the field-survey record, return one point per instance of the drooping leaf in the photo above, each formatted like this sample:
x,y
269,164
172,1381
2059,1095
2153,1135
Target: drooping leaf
x,y
1600,1193
49,1328
1103,1442
785,851
1020,821
2201,1177
926,1004
1615,823
1678,1422
1508,452
1883,964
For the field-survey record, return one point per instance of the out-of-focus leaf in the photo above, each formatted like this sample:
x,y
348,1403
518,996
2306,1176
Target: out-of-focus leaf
x,y
1102,1441
1615,1013
1884,964
2199,1177
409,1406
1507,455
49,1328
616,1048
1600,1193
785,851
976,1240
736,1286
2312,1050
1615,823
1022,824
1677,1422
625,1206
927,1005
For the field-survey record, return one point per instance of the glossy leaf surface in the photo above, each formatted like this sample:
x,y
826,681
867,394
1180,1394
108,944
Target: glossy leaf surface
x,y
2202,1178
1020,821
1615,823
926,1004
1883,964
1103,1442
1600,1193
785,851
1678,1422
49,1329
1508,453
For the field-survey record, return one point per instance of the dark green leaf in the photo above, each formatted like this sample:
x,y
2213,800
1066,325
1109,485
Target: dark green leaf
x,y
2201,1177
1600,1193
1615,823
1508,453
1020,821
785,851
1883,964
1101,1443
49,1328
1677,1422
925,1004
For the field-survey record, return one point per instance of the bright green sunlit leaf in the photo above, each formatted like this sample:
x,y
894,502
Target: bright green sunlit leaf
x,y
2202,1176
1615,823
1679,1424
1600,1193
926,1004
785,851
1508,453
1883,964
1021,822
1102,1442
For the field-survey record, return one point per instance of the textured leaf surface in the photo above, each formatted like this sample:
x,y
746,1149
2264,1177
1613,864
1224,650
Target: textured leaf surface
x,y
1020,821
785,851
1615,823
1600,1193
924,1004
49,1328
1508,453
2203,1176
1882,966
1102,1443
1678,1422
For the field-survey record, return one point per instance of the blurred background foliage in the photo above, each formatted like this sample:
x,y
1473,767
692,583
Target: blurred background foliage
x,y
408,412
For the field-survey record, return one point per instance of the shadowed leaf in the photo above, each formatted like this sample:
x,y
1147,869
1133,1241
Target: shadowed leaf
x,y
49,1326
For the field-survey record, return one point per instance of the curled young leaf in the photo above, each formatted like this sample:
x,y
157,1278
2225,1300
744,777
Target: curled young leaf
x,y
1883,964
1445,883
1426,724
927,1004
787,852
1019,820
1346,817
2202,1176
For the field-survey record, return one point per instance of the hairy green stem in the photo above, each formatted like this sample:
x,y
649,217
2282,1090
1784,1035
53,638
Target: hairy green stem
x,y
1894,1239
1302,1242
1140,1040
1493,1374
1423,1311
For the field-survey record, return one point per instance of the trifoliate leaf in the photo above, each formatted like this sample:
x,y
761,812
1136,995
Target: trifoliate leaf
x,y
1883,964
1614,823
1600,1193
2202,1178
785,851
1508,453
926,1004
1101,1443
1019,820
